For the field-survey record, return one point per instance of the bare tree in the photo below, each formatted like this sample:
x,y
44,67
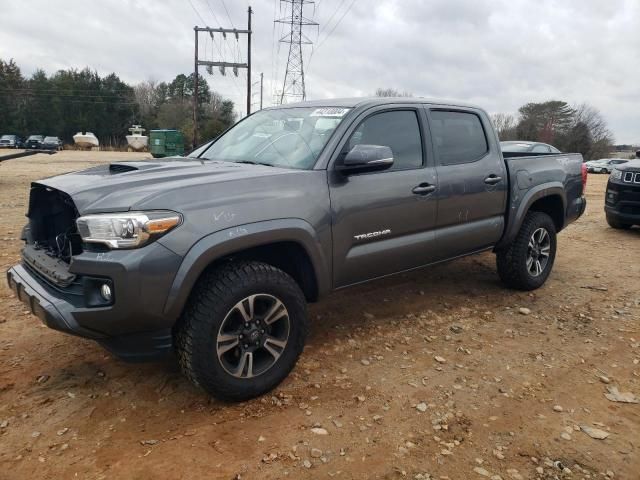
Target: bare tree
x,y
391,92
145,95
505,124
601,136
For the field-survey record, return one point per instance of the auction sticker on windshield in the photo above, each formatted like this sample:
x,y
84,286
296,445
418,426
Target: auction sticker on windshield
x,y
329,112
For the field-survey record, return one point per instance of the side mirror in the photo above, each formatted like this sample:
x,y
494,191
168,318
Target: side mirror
x,y
366,158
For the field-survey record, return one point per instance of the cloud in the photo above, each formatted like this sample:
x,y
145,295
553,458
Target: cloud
x,y
499,54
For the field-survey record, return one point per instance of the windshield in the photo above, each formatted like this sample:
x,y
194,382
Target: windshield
x,y
35,137
515,147
285,137
50,139
6,137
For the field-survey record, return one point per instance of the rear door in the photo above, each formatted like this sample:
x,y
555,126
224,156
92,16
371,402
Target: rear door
x,y
472,181
383,221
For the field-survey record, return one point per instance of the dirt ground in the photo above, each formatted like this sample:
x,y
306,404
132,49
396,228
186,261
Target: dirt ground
x,y
434,374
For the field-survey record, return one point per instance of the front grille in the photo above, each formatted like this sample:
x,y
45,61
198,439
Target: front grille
x,y
631,177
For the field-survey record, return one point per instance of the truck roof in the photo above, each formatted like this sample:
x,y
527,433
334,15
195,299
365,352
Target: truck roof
x,y
374,101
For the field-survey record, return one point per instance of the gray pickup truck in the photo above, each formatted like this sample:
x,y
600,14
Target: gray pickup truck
x,y
214,256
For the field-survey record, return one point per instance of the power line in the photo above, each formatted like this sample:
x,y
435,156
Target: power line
x,y
336,25
321,42
326,24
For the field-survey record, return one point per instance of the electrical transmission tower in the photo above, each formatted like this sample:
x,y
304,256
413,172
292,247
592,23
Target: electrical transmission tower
x,y
293,87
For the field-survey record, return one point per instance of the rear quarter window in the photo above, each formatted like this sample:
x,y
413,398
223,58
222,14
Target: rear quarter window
x,y
459,137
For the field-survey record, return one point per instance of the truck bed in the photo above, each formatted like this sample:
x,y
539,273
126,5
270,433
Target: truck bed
x,y
533,176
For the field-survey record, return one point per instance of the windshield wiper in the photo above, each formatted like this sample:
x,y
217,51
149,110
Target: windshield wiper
x,y
250,162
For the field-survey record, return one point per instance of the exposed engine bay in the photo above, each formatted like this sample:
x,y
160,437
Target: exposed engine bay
x,y
52,227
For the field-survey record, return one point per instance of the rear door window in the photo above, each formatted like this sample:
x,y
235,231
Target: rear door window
x,y
458,137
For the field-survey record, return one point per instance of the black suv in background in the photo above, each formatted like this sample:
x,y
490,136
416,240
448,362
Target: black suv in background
x,y
34,141
622,199
11,141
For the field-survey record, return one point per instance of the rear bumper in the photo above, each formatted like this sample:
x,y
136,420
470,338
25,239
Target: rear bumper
x,y
134,327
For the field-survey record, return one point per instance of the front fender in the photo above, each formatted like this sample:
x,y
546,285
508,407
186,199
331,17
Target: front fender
x,y
520,205
242,237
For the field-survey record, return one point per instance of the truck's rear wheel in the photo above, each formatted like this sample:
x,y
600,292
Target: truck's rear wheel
x,y
242,331
527,262
613,223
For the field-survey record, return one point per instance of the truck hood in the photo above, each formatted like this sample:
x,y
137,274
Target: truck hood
x,y
123,186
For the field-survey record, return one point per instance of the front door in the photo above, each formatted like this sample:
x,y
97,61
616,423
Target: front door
x,y
383,221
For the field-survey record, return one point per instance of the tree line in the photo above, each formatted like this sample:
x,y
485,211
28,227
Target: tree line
x,y
70,101
576,129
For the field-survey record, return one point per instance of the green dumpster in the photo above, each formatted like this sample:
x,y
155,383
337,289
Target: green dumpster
x,y
166,143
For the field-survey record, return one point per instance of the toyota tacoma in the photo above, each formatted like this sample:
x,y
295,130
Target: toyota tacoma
x,y
214,256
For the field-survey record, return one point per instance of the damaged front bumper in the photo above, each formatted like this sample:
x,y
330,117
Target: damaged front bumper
x,y
133,326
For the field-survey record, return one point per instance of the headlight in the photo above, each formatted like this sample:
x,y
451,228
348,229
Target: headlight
x,y
616,174
126,230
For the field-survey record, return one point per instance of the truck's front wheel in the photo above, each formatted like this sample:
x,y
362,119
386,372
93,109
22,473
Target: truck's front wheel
x,y
242,331
527,262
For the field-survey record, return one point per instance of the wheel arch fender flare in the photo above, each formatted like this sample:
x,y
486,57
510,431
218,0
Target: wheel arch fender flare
x,y
237,239
518,208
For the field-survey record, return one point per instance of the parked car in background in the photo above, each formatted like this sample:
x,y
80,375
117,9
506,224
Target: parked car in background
x,y
34,141
528,147
610,164
592,165
622,198
51,143
11,141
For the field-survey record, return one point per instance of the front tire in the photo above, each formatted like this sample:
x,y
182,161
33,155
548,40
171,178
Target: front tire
x,y
528,261
242,330
613,223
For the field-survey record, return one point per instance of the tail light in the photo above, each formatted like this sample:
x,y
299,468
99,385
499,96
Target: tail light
x,y
584,177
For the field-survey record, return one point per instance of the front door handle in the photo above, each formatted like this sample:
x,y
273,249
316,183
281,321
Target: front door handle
x,y
492,179
424,189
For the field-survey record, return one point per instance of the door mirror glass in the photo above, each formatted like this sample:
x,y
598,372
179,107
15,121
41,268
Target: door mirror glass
x,y
367,158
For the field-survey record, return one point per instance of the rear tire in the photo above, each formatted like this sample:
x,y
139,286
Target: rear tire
x,y
613,223
527,262
242,330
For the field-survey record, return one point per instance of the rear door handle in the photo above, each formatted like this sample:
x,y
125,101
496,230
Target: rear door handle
x,y
492,179
424,189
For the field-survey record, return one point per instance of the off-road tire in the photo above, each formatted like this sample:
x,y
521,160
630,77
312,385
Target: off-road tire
x,y
613,223
512,260
213,296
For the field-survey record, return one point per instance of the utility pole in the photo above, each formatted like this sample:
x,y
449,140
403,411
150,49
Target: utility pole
x,y
249,12
222,66
293,87
195,94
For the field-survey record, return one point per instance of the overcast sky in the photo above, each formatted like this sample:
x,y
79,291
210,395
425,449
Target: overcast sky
x,y
499,54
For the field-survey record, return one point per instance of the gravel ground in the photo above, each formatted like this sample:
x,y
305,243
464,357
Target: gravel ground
x,y
439,374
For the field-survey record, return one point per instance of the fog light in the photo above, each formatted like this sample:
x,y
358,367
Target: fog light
x,y
105,292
